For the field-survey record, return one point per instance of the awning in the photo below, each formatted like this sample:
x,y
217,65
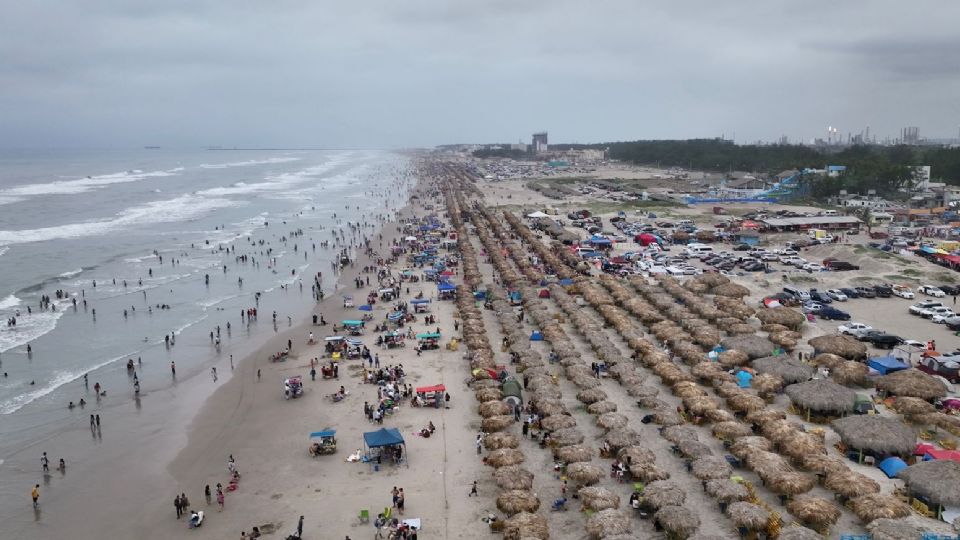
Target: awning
x,y
395,316
420,301
352,323
434,388
928,249
891,466
886,364
383,437
431,335
355,342
333,338
385,291
444,287
951,455
320,434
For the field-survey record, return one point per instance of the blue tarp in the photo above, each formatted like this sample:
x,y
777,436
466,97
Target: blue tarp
x,y
318,434
744,378
566,282
928,249
444,287
892,465
365,307
599,241
886,364
383,437
536,336
420,301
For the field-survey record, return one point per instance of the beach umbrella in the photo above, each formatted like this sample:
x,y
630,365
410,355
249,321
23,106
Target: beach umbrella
x,y
573,454
621,438
636,454
840,345
711,468
676,434
726,491
720,416
611,420
494,408
591,395
648,472
731,430
495,441
822,464
877,434
496,423
515,501
608,524
602,407
504,456
912,383
876,505
566,437
797,532
935,480
560,421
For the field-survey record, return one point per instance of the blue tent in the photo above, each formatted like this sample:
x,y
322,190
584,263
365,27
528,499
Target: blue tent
x,y
744,378
321,434
383,437
445,287
891,466
886,364
365,307
536,336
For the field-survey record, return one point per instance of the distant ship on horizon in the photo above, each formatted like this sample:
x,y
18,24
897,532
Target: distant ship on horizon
x,y
152,147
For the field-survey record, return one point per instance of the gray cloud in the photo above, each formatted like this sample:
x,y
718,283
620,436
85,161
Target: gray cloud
x,y
419,72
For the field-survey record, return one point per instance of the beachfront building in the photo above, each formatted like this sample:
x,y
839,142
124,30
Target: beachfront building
x,y
813,222
539,142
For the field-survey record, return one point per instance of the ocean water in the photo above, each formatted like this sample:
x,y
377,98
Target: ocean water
x,y
72,219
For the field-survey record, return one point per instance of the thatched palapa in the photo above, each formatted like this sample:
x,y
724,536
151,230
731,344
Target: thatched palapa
x,y
679,522
621,439
731,430
526,526
788,369
496,441
908,527
912,405
584,474
875,506
850,373
489,394
573,454
746,445
515,501
753,346
748,515
496,423
676,434
711,468
608,524
591,395
797,532
936,480
726,490
814,510
694,449
494,408
850,484
504,457
664,493
602,407
822,396
598,498
566,437
513,477
612,420
839,345
648,472
912,383
876,434
560,421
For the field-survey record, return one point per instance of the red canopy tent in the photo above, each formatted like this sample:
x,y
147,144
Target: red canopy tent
x,y
434,388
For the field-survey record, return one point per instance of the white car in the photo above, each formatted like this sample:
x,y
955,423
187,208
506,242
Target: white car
x,y
798,262
813,267
942,318
903,292
674,270
657,269
930,290
837,295
853,328
934,311
770,257
920,307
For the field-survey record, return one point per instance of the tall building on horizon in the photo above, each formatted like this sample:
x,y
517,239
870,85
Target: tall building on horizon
x,y
910,135
539,142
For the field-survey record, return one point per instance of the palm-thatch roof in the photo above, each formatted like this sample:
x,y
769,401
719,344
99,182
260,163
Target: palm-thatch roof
x,y
566,436
822,396
488,394
747,403
598,498
849,483
515,501
719,416
876,505
913,383
850,373
496,423
494,408
664,493
621,438
608,524
789,369
753,346
788,482
495,441
602,407
504,457
591,395
584,474
767,383
636,455
839,345
666,416
733,358
748,515
676,434
526,526
694,449
912,405
573,454
796,532
726,490
711,468
876,434
731,430
513,477
559,421
762,416
745,445
612,420
936,480
908,527
642,390
679,522
815,511
648,472
827,360
787,317
822,463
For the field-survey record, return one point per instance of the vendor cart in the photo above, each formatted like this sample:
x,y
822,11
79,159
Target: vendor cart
x,y
323,442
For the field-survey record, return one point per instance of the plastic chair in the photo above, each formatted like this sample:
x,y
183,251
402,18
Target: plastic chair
x,y
387,512
364,516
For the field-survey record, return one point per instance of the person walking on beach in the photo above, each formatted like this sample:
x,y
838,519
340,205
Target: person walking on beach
x,y
400,502
394,493
35,495
45,463
173,368
178,504
300,528
97,417
220,498
92,422
206,494
473,490
479,443
258,375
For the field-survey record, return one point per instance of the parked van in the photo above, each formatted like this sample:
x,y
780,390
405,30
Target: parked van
x,y
698,251
799,294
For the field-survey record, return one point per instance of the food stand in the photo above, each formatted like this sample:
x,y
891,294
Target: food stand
x,y
430,396
429,342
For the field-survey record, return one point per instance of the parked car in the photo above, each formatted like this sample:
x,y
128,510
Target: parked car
x,y
930,290
947,367
943,311
853,328
837,295
883,291
832,314
818,296
952,290
813,267
741,247
811,307
920,307
953,323
940,316
850,292
884,341
866,292
903,292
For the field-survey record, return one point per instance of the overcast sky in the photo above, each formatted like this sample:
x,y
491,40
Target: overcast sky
x,y
118,73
